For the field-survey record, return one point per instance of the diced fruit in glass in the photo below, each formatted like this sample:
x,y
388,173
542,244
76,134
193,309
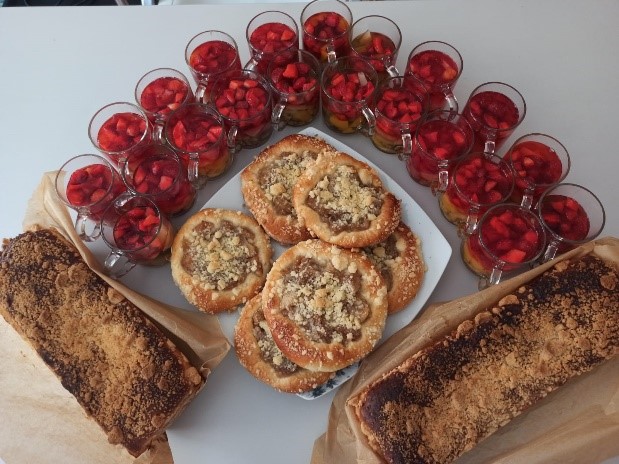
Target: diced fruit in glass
x,y
346,90
164,95
121,132
213,56
144,234
437,70
93,186
323,28
565,217
378,48
299,83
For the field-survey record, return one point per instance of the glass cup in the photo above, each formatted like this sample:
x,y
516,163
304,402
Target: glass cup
x,y
439,66
118,130
88,184
136,232
440,140
197,134
211,55
268,33
494,110
325,25
159,92
347,89
157,173
377,39
401,103
540,162
243,99
572,215
508,238
476,183
295,81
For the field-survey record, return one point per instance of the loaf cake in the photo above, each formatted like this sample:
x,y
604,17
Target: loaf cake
x,y
125,373
446,398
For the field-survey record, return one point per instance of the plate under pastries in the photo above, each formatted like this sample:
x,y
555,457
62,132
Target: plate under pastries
x,y
435,249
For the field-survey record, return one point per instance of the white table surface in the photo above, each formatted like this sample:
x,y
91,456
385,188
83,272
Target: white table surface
x,y
59,65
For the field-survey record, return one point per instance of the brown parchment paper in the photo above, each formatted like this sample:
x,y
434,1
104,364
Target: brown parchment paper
x,y
578,423
39,420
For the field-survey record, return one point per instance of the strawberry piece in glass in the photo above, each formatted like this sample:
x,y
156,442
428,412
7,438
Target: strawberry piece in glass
x,y
508,237
196,133
294,79
325,25
477,182
243,99
377,39
539,161
493,110
267,34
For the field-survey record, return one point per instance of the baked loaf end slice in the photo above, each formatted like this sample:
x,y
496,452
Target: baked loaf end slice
x,y
125,373
446,398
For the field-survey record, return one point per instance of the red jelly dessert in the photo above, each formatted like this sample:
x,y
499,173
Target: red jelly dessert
x,y
197,132
491,113
163,178
398,110
213,57
268,39
297,84
537,166
436,70
94,186
437,144
164,95
511,236
477,183
377,48
565,217
344,93
322,29
143,233
121,132
245,103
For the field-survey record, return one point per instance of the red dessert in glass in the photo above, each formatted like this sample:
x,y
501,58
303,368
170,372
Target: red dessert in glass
x,y
508,237
296,88
438,71
164,95
378,49
197,135
565,217
157,173
122,133
477,182
143,234
270,38
326,31
94,186
437,144
244,101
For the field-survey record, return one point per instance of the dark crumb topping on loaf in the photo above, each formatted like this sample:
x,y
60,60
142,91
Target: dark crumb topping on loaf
x,y
443,400
121,368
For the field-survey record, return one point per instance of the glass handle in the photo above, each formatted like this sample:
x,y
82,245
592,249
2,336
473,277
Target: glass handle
x,y
453,105
527,198
392,70
407,146
443,178
551,250
122,199
371,120
158,131
193,170
232,144
201,92
471,220
252,64
80,226
117,265
490,145
276,115
331,56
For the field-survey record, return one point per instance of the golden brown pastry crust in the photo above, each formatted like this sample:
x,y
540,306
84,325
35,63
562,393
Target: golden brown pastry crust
x,y
447,397
267,182
342,201
400,261
125,373
259,354
220,259
326,306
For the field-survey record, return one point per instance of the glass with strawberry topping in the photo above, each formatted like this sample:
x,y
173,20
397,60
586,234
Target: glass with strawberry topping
x,y
326,24
210,55
494,110
378,40
243,99
440,140
477,182
508,238
118,130
268,33
197,135
572,215
438,65
156,172
401,103
539,161
348,86
159,92
294,79
88,184
137,232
